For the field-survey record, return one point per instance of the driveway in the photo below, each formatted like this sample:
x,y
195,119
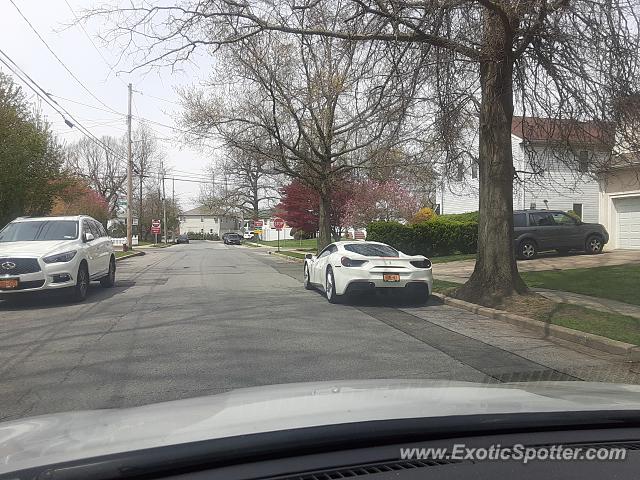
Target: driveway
x,y
461,271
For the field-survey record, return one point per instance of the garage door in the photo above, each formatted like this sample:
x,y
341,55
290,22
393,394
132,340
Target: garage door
x,y
628,222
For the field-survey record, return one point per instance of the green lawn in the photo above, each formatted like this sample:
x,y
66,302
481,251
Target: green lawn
x,y
289,253
620,282
291,243
443,286
610,325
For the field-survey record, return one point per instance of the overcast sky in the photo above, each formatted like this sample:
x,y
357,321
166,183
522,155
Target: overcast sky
x,y
155,92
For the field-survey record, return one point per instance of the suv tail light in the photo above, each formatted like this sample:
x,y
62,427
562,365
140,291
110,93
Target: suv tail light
x,y
348,262
426,263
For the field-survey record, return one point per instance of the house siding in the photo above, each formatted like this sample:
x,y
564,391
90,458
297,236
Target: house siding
x,y
209,224
463,196
559,185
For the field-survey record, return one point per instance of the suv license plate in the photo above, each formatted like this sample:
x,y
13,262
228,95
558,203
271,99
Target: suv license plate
x,y
8,284
391,277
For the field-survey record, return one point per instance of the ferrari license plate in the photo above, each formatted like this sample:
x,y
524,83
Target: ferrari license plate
x,y
391,277
8,284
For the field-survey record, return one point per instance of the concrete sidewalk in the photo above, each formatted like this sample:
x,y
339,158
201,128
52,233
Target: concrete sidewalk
x,y
601,304
461,271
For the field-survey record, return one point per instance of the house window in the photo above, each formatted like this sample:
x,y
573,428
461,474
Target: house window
x,y
583,161
474,170
577,209
460,172
202,219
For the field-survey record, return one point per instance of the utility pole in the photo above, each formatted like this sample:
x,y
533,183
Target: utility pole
x,y
164,204
129,176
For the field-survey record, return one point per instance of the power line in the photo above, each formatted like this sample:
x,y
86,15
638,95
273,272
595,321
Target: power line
x,y
169,126
58,58
47,98
159,98
79,23
111,111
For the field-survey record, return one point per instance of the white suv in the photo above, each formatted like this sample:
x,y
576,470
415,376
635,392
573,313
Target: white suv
x,y
48,253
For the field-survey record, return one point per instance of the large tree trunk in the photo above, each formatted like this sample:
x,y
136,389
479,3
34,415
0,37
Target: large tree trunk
x,y
495,275
324,221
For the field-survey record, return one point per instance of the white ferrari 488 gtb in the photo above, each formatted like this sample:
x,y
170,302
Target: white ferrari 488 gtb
x,y
348,267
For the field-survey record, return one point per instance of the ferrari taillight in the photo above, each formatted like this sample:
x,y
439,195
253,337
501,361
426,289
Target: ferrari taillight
x,y
348,262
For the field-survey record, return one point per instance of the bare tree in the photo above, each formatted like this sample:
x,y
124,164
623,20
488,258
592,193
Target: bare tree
x,y
246,182
555,57
146,158
308,107
253,182
102,165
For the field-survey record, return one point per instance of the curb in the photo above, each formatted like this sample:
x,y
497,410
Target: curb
x,y
292,259
597,342
133,254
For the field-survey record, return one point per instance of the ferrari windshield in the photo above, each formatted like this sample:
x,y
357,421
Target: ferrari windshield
x,y
371,249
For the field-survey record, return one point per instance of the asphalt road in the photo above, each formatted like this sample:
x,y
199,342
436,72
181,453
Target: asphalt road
x,y
204,318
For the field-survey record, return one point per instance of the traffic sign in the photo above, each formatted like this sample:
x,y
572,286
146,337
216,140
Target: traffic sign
x,y
278,223
258,223
155,227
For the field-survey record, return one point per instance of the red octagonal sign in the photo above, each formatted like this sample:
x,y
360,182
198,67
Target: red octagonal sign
x,y
278,223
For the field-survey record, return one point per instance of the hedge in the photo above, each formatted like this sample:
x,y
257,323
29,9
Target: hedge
x,y
201,236
436,237
461,217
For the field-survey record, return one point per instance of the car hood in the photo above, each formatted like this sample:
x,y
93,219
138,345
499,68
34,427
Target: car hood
x,y
54,438
33,249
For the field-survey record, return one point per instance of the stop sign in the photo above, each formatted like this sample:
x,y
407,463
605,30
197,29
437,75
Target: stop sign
x,y
155,223
278,223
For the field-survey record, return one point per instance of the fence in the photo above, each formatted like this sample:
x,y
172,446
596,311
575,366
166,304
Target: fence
x,y
118,242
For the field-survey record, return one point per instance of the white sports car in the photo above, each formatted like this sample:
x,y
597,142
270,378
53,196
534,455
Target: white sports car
x,y
352,266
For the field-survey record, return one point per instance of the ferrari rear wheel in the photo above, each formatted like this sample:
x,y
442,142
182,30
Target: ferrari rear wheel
x,y
307,279
330,287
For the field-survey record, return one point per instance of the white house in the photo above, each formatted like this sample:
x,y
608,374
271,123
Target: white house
x,y
269,232
556,174
204,220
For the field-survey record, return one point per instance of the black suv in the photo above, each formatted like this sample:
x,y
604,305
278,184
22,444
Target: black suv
x,y
538,230
182,239
232,238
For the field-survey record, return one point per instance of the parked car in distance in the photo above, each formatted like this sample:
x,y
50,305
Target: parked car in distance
x,y
232,239
352,266
539,230
226,234
55,253
184,238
